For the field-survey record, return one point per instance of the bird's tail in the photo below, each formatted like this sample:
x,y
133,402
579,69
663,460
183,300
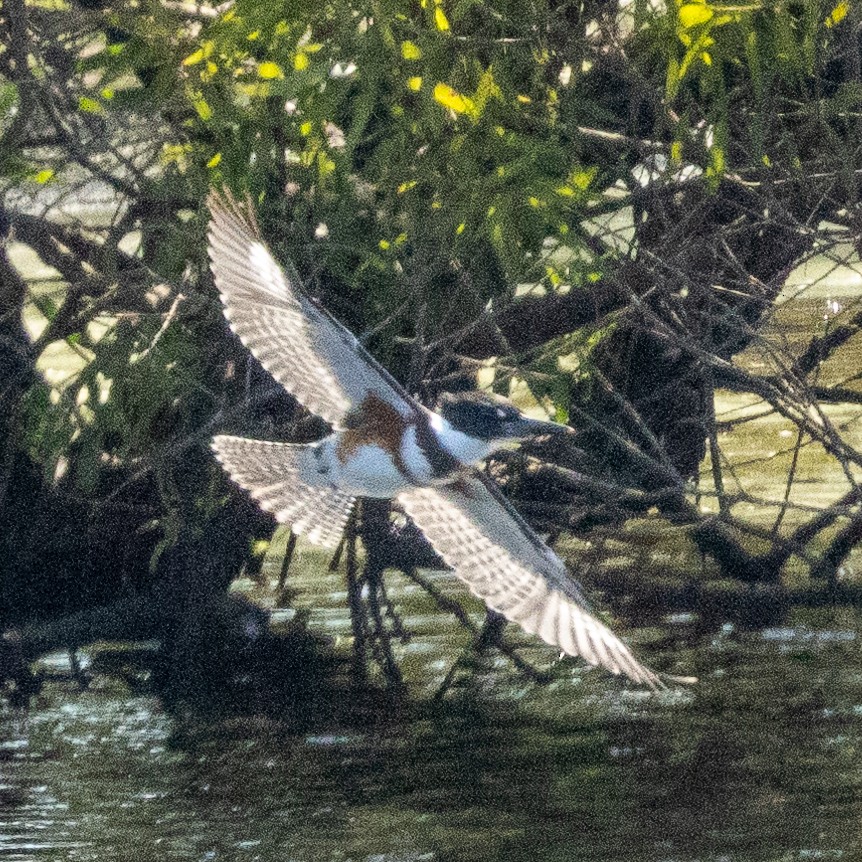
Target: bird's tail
x,y
282,478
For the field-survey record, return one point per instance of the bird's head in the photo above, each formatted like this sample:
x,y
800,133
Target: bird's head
x,y
490,418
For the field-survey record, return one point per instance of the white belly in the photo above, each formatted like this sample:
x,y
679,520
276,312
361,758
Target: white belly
x,y
370,472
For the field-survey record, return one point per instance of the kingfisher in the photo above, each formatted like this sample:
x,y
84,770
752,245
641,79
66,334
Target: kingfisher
x,y
385,444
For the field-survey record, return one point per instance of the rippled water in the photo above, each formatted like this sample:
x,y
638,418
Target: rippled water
x,y
760,761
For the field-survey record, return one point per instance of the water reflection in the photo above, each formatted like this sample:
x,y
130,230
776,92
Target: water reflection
x,y
759,762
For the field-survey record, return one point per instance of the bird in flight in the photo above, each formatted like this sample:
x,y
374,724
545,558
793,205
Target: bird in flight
x,y
385,444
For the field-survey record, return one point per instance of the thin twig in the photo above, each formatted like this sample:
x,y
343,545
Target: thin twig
x,y
169,319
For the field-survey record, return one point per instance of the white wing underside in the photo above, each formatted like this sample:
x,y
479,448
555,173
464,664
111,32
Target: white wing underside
x,y
315,358
279,477
507,566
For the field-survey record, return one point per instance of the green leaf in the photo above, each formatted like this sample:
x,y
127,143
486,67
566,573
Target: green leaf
x,y
204,111
411,51
452,99
269,70
195,58
838,14
693,14
201,54
46,306
89,106
8,97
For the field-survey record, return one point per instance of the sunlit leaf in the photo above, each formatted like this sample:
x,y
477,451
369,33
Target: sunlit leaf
x,y
414,83
410,51
440,19
194,58
44,175
215,160
325,165
487,90
89,106
269,70
452,99
583,179
717,159
200,55
8,97
300,63
46,306
204,111
838,14
672,79
692,14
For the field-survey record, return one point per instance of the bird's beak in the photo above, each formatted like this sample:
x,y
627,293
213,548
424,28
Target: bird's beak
x,y
523,428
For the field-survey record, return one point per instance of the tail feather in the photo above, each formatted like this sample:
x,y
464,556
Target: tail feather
x,y
273,473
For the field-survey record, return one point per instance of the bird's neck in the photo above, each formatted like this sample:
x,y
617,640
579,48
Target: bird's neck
x,y
463,447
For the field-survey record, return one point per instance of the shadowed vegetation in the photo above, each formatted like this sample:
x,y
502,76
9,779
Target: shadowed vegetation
x,y
593,210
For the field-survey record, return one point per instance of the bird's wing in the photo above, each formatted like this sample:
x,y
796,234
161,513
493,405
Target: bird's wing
x,y
305,349
504,563
282,478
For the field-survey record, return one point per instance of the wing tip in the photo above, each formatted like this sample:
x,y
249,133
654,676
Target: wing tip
x,y
223,204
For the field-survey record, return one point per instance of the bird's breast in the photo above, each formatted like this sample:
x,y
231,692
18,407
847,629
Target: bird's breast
x,y
373,470
382,452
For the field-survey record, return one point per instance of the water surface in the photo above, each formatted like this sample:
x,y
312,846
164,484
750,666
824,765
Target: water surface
x,y
759,761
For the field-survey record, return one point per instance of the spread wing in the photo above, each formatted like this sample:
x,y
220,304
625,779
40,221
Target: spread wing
x,y
504,563
283,478
306,350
